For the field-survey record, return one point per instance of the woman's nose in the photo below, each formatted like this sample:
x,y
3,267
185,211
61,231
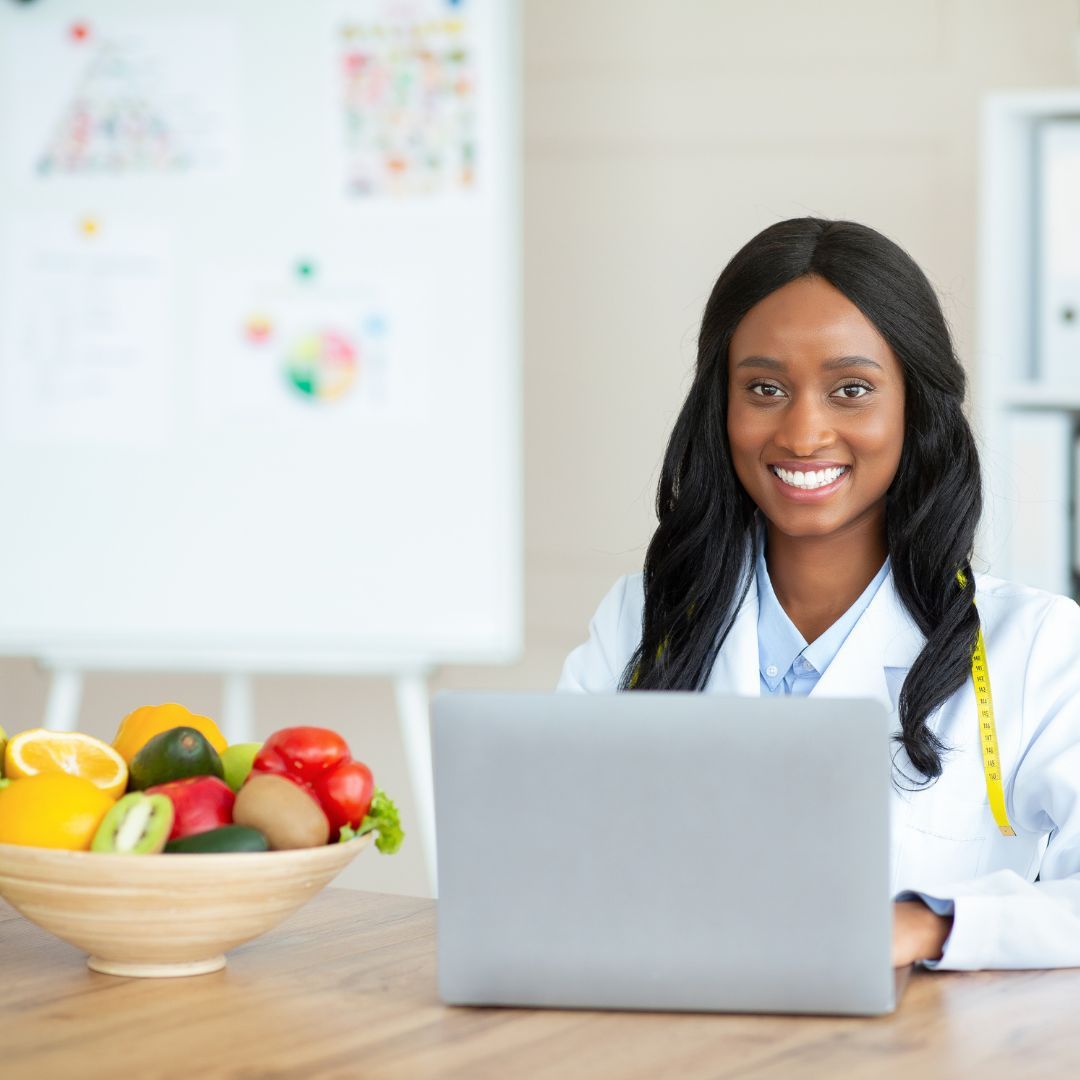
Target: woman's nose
x,y
805,427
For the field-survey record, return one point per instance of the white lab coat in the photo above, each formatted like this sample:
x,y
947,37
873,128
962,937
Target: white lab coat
x,y
945,843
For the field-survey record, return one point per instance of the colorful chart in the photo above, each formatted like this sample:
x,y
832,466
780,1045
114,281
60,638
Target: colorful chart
x,y
141,100
322,365
306,342
408,89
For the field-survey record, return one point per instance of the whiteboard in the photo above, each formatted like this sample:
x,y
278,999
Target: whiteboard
x,y
260,371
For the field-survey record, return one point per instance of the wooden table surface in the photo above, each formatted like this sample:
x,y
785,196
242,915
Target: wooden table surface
x,y
346,988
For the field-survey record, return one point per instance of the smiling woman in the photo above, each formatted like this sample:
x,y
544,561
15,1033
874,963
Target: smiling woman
x,y
824,346
817,510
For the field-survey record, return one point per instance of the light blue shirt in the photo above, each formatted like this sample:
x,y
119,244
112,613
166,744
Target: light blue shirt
x,y
787,664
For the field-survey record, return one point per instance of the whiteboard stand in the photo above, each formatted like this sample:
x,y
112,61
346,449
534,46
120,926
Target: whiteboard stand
x,y
413,705
66,689
65,697
237,709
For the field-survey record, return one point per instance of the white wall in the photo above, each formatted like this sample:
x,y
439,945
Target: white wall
x,y
658,139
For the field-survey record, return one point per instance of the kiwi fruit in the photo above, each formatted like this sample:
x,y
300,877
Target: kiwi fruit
x,y
282,811
174,754
137,824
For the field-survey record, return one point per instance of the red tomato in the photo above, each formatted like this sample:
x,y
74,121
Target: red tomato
x,y
345,794
301,752
201,803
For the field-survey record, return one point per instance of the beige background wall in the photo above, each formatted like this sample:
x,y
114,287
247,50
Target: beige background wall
x,y
659,138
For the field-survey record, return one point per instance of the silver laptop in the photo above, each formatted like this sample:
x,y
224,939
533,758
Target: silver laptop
x,y
664,851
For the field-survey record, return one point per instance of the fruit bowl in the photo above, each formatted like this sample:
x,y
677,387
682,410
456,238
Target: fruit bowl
x,y
165,915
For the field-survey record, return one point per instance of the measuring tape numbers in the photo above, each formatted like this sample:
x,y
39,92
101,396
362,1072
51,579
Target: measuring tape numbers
x,y
984,701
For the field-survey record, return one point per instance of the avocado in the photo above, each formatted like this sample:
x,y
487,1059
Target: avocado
x,y
175,754
225,838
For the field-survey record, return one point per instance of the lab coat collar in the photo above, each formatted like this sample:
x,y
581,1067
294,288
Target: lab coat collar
x,y
884,637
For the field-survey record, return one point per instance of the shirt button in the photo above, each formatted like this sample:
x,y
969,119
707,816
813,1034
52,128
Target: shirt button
x,y
772,671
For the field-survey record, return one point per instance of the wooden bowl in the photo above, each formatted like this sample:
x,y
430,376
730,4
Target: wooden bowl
x,y
164,915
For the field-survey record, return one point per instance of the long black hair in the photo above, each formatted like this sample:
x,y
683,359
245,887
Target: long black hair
x,y
699,565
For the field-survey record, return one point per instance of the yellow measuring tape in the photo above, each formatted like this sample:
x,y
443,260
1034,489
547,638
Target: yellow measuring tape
x,y
984,700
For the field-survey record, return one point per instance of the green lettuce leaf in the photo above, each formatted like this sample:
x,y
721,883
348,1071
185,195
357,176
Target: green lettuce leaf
x,y
382,817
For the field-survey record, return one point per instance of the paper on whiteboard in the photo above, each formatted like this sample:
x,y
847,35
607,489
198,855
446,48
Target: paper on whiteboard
x,y
406,75
120,95
86,321
317,358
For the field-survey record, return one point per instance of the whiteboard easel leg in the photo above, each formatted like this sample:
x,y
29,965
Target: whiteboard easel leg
x,y
65,698
237,709
412,702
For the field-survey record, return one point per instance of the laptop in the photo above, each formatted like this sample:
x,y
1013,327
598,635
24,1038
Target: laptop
x,y
664,850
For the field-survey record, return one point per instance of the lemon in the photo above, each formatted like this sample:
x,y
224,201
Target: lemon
x,y
38,751
53,810
140,726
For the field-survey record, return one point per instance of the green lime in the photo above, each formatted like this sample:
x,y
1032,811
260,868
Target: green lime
x,y
237,760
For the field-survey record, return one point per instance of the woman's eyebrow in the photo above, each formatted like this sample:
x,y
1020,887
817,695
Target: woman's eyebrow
x,y
772,364
851,361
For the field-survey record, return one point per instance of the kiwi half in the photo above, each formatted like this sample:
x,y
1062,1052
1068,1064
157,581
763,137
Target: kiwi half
x,y
137,824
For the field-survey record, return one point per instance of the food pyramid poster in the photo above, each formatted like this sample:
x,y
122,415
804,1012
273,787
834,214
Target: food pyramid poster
x,y
135,96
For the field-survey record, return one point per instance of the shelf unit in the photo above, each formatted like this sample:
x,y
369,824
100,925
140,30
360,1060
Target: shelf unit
x,y
1026,426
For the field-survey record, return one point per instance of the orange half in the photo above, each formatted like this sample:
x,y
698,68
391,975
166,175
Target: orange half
x,y
38,752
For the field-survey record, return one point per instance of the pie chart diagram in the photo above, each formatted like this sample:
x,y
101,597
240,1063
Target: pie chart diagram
x,y
321,365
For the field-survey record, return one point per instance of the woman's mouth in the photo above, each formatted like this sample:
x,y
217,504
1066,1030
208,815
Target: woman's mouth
x,y
809,485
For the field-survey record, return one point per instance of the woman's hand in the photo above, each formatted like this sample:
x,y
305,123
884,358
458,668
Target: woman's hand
x,y
918,934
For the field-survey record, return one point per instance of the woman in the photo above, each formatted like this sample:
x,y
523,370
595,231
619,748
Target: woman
x,y
817,511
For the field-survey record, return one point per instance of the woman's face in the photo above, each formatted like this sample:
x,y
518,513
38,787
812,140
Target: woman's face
x,y
814,389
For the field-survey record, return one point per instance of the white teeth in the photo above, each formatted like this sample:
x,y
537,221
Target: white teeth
x,y
809,480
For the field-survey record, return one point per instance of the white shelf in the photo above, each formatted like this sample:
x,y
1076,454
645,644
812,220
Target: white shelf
x,y
1036,395
1025,427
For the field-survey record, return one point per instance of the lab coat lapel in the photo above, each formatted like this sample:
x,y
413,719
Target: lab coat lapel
x,y
735,670
873,662
884,637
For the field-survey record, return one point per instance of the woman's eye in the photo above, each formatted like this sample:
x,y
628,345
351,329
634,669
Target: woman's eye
x,y
854,386
765,387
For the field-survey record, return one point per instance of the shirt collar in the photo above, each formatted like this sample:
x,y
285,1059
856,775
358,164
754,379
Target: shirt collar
x,y
779,641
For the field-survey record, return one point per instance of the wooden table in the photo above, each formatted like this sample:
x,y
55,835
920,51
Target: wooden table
x,y
346,988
